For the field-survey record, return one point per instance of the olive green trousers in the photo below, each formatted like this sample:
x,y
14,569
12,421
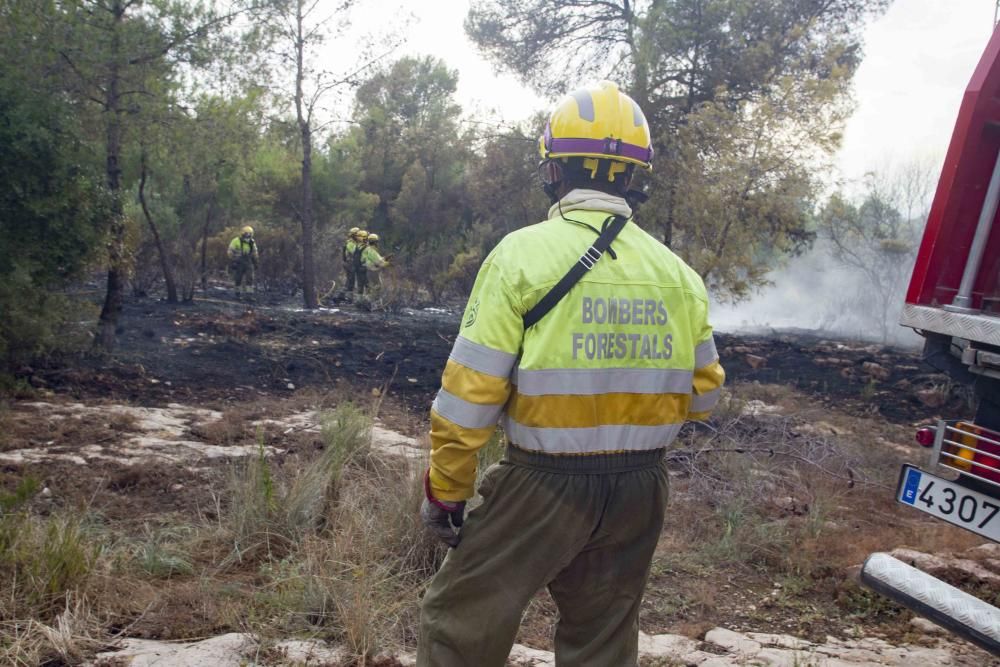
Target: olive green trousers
x,y
243,275
584,526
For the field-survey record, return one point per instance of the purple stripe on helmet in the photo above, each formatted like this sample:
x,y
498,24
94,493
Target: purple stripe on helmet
x,y
609,147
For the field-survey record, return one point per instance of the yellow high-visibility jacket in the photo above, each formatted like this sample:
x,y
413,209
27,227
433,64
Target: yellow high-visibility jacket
x,y
371,259
239,248
617,365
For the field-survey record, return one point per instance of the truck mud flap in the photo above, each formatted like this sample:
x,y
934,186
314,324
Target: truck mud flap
x,y
952,609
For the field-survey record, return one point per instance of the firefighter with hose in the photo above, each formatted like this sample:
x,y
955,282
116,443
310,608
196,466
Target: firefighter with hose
x,y
244,258
371,261
589,341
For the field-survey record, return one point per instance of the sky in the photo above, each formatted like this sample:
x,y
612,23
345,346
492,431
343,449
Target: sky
x,y
919,58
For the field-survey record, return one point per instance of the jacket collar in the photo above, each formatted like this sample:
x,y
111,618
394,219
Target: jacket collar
x,y
590,200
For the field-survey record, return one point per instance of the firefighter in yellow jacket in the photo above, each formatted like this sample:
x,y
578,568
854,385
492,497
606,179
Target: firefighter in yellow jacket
x,y
371,262
591,381
352,246
243,261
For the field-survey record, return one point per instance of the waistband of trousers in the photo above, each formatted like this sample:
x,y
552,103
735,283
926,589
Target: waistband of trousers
x,y
584,464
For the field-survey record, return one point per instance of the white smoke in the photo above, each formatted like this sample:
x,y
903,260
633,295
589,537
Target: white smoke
x,y
816,293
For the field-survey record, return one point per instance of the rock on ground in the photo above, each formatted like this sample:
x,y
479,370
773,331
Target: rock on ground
x,y
160,435
230,650
166,435
721,648
942,564
726,648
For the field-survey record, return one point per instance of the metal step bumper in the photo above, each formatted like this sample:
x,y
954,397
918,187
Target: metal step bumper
x,y
952,609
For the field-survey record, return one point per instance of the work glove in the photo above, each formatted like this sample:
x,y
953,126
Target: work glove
x,y
443,517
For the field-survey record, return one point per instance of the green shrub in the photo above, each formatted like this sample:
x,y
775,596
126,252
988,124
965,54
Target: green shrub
x,y
53,213
160,553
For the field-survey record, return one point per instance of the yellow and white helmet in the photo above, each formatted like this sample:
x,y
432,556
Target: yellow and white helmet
x,y
246,231
353,231
373,238
362,235
598,122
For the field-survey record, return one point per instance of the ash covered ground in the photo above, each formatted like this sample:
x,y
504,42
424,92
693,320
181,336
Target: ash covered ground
x,y
222,351
148,437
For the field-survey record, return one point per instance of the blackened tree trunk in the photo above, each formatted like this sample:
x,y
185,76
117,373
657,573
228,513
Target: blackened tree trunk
x,y
168,274
204,243
304,116
117,269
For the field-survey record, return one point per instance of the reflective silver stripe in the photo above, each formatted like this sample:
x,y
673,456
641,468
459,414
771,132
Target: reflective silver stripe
x,y
591,381
481,358
705,402
591,439
705,353
465,414
637,118
585,104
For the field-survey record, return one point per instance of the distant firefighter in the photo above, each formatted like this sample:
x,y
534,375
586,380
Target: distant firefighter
x,y
351,254
357,263
372,261
243,261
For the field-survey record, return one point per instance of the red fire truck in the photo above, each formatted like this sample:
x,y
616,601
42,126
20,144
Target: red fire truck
x,y
953,301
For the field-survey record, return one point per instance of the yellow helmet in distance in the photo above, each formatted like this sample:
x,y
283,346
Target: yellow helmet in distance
x,y
362,235
247,231
373,238
598,122
353,231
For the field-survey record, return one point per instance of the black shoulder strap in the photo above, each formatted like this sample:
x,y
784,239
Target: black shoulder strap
x,y
582,265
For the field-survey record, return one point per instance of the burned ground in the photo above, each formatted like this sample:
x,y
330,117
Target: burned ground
x,y
221,352
759,539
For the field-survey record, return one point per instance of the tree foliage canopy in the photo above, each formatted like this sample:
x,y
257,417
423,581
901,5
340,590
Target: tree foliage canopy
x,y
745,99
143,134
53,214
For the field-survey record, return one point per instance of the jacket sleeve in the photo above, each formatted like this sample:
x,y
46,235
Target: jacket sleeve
x,y
374,259
709,375
476,383
234,248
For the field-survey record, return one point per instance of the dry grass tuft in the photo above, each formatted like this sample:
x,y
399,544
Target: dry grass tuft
x,y
325,540
269,512
47,565
336,539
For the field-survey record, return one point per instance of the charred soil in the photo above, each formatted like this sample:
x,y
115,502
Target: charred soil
x,y
756,540
223,352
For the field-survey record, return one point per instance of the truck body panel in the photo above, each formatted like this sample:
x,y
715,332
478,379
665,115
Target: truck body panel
x,y
954,216
953,301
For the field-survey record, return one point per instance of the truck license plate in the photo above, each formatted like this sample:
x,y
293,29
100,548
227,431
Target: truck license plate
x,y
952,502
